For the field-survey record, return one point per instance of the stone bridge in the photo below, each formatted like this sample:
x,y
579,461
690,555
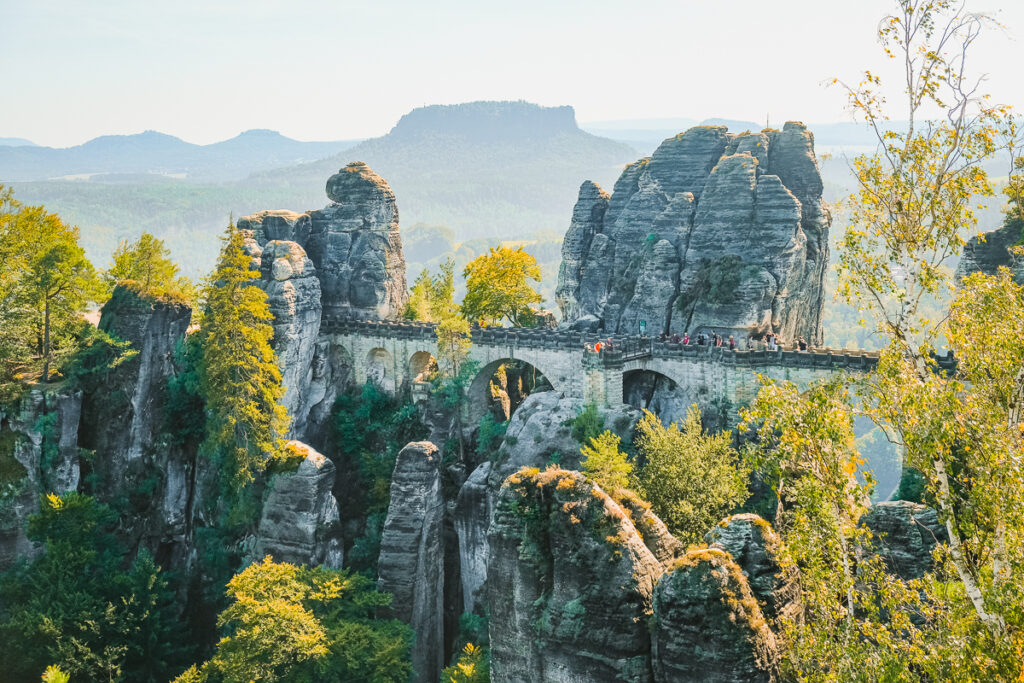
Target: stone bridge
x,y
397,354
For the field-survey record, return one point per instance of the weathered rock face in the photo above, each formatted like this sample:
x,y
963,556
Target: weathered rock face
x,y
905,534
288,277
473,510
354,243
665,547
412,554
300,515
569,583
38,454
713,231
988,255
754,546
707,624
123,422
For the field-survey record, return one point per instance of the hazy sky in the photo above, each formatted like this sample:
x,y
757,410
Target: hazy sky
x,y
205,70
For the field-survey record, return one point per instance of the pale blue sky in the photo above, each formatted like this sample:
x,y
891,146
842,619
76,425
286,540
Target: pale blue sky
x,y
206,70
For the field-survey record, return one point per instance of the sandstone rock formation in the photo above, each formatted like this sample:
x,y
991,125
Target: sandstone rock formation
x,y
988,255
905,534
123,423
569,583
412,553
38,455
300,515
755,547
354,243
288,277
708,626
713,231
473,510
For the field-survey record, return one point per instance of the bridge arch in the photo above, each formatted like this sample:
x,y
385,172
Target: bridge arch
x,y
381,369
422,365
480,397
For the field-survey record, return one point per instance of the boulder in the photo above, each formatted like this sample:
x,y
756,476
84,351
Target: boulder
x,y
904,534
299,520
707,624
755,547
288,277
713,231
412,555
569,583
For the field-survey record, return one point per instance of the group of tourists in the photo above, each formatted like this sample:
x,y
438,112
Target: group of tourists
x,y
769,342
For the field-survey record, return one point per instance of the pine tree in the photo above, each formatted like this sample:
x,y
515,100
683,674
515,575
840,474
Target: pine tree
x,y
239,375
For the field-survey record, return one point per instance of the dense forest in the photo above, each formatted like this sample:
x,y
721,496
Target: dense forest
x,y
140,550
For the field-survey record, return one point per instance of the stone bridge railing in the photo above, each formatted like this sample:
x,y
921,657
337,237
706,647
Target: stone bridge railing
x,y
623,347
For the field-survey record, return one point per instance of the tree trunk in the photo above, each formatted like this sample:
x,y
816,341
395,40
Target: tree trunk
x,y
46,340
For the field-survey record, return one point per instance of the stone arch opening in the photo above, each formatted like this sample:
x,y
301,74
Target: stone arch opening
x,y
422,366
502,385
380,369
658,393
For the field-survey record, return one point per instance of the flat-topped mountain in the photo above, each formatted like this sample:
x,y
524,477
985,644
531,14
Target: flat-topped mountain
x,y
481,168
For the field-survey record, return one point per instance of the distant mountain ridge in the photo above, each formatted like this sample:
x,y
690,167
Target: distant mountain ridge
x,y
157,153
16,142
481,168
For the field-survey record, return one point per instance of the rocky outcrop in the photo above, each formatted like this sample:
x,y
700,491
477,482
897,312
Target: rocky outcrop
x,y
708,626
755,548
988,253
665,547
569,583
412,555
904,534
713,231
124,424
354,243
300,515
38,455
288,277
473,510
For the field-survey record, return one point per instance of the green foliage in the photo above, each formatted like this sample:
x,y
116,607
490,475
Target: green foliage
x,y
606,464
185,416
370,428
239,377
45,284
497,287
432,298
54,674
588,424
691,479
145,266
77,605
472,666
912,486
489,435
98,354
288,623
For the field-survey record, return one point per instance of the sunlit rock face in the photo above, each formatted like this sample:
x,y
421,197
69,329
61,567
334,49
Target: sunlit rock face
x,y
353,242
412,554
714,231
299,521
707,624
288,276
569,583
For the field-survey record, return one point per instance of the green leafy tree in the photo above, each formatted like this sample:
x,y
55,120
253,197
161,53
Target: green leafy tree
x,y
472,666
912,209
77,606
46,283
691,479
289,623
147,261
239,377
606,464
432,298
498,288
